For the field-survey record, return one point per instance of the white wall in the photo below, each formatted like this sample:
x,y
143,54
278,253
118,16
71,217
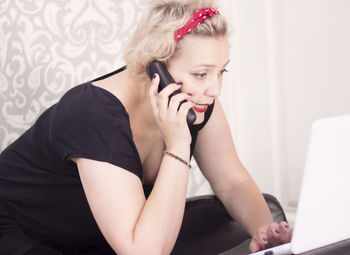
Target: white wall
x,y
316,65
292,63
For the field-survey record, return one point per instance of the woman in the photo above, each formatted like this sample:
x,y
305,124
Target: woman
x,y
75,180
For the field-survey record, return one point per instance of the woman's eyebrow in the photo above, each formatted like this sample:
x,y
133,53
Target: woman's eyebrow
x,y
210,65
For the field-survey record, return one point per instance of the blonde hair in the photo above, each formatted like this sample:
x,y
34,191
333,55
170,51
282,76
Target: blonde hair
x,y
154,35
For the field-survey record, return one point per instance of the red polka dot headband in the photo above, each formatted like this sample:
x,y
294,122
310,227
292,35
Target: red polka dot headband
x,y
197,18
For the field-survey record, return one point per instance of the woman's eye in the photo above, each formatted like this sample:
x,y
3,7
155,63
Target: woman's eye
x,y
200,75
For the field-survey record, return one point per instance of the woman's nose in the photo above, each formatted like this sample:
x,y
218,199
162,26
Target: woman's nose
x,y
214,89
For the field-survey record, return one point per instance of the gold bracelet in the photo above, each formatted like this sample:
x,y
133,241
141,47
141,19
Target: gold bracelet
x,y
178,158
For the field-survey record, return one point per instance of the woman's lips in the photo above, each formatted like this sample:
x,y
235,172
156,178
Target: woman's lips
x,y
200,107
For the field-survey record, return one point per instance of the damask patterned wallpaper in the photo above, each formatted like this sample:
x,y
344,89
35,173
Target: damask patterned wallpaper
x,y
49,46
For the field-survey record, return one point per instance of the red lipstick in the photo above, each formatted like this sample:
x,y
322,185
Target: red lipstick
x,y
200,107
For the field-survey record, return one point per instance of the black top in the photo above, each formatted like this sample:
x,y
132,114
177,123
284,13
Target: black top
x,y
40,189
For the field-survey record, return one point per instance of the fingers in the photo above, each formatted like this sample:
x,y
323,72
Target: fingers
x,y
285,232
259,240
154,85
279,233
152,93
178,105
262,238
284,227
185,107
271,235
161,105
274,230
163,101
160,101
254,246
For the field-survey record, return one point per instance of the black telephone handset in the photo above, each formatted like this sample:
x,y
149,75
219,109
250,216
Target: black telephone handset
x,y
165,79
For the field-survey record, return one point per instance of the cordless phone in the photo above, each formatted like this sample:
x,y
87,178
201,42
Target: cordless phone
x,y
165,79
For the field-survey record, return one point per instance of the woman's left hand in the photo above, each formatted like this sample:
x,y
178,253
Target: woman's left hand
x,y
271,235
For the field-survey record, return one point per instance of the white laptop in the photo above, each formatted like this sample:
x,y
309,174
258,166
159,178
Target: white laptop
x,y
324,206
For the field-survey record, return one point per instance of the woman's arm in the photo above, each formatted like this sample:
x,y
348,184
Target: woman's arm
x,y
130,223
217,158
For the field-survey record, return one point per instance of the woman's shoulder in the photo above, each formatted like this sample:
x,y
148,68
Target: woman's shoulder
x,y
90,122
88,99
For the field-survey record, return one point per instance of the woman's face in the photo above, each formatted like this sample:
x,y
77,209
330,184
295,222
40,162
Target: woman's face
x,y
200,65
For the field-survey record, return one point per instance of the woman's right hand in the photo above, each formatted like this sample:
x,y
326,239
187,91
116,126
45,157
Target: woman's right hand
x,y
170,118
